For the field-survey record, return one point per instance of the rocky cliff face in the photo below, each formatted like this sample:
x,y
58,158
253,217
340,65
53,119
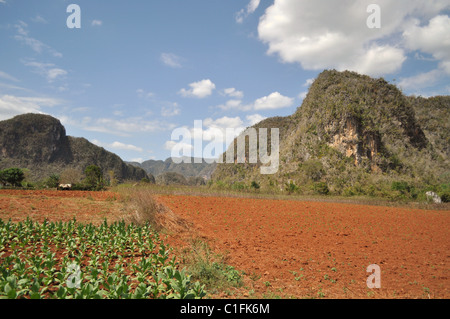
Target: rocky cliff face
x,y
40,144
352,130
34,138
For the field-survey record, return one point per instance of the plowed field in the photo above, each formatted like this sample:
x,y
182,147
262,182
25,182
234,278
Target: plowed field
x,y
52,205
316,249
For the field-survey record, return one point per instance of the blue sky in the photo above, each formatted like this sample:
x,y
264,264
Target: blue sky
x,y
136,70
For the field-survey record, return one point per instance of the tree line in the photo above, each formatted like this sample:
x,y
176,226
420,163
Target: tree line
x,y
93,180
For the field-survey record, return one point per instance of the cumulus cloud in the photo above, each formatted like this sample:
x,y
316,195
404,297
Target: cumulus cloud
x,y
333,34
200,89
272,101
254,119
232,92
215,132
433,39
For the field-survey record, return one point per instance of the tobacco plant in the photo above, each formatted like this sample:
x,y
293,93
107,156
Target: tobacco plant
x,y
70,260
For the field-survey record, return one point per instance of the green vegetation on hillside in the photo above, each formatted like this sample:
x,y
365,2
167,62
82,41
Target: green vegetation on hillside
x,y
355,135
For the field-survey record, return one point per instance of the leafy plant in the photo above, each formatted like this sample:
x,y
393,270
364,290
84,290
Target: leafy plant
x,y
13,176
56,260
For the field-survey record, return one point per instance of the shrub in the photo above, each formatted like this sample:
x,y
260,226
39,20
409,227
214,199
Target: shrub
x,y
196,181
171,178
94,178
254,185
321,188
52,181
445,197
70,176
402,186
312,169
13,176
238,186
291,187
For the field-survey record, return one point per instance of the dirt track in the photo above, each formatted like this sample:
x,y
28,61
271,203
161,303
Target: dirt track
x,y
314,249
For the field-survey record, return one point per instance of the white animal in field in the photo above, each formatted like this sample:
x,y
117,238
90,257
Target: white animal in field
x,y
435,197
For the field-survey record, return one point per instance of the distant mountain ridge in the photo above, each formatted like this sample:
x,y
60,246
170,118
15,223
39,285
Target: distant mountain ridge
x,y
39,143
188,168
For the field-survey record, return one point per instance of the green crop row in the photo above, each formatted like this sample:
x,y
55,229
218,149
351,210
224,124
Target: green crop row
x,y
66,260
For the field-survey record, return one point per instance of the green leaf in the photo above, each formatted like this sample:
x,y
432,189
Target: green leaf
x,y
12,294
35,295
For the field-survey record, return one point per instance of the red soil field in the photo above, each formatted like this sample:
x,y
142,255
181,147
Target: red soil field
x,y
321,249
53,205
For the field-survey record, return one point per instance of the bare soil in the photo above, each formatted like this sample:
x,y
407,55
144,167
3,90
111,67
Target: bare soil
x,y
294,249
89,207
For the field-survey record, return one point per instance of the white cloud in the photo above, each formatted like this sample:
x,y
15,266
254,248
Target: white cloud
x,y
234,104
13,105
200,89
422,80
8,77
243,13
333,34
34,44
137,160
232,92
118,146
47,70
53,73
39,19
214,131
170,144
128,147
254,119
144,94
308,82
120,127
302,95
171,60
96,23
171,109
224,122
433,39
273,101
